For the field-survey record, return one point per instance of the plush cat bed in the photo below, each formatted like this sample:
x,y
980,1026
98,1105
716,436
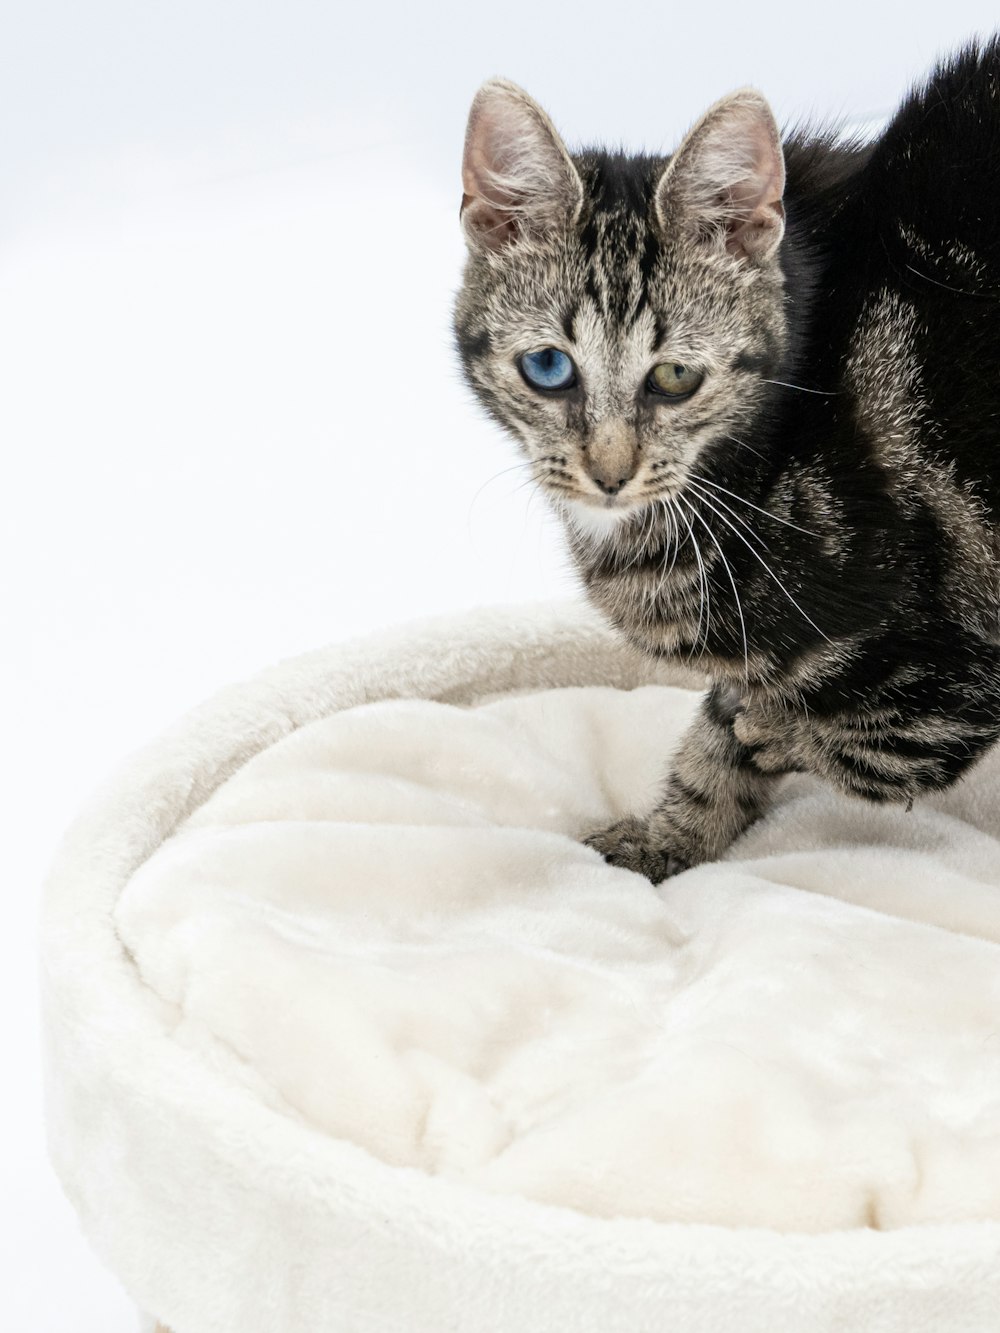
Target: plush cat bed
x,y
346,1031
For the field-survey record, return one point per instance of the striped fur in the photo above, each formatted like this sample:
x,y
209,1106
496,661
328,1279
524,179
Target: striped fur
x,y
818,525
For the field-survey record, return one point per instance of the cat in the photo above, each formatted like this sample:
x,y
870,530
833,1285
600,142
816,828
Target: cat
x,y
760,382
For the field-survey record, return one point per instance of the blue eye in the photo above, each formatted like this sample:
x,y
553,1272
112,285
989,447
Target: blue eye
x,y
548,369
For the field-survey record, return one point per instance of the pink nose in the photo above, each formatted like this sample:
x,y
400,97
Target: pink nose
x,y
610,485
611,457
610,467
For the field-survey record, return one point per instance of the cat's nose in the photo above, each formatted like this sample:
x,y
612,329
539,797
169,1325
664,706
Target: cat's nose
x,y
609,486
612,456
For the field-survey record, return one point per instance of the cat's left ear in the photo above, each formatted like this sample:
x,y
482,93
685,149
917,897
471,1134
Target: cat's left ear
x,y
725,182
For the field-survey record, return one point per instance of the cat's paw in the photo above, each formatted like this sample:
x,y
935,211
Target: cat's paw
x,y
628,844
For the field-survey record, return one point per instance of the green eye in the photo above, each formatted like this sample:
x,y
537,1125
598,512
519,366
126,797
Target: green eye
x,y
674,381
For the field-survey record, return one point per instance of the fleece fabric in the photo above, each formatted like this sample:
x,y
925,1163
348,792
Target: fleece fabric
x,y
347,1031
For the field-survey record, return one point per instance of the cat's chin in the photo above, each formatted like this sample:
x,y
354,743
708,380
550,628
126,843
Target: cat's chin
x,y
597,522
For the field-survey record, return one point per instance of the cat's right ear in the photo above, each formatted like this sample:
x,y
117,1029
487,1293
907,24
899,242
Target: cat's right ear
x,y
517,177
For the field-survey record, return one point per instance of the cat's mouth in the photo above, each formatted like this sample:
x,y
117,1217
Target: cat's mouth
x,y
599,516
627,497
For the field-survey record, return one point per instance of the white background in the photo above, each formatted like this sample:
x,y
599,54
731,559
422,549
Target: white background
x,y
231,423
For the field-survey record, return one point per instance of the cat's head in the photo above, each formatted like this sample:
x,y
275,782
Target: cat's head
x,y
619,315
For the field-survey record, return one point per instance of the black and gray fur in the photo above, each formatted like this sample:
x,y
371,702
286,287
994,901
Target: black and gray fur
x,y
818,525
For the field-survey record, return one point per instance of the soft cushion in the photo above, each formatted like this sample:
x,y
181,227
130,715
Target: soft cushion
x,y
384,926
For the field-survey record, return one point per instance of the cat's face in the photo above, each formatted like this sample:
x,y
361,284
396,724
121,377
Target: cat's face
x,y
619,316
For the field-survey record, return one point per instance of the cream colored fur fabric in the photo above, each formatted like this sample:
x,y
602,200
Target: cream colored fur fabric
x,y
348,1032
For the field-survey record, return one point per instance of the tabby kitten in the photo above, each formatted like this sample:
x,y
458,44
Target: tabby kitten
x,y
760,382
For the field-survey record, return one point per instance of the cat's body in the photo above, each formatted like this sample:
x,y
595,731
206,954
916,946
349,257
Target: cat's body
x,y
817,521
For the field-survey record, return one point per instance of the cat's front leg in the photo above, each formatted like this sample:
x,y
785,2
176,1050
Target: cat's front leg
x,y
713,793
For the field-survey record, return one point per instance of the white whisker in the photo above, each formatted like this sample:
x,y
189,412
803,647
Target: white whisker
x,y
647,530
673,540
675,533
704,596
767,567
743,445
823,393
739,608
766,512
496,477
698,489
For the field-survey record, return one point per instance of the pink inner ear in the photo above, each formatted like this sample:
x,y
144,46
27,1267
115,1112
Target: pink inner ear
x,y
754,203
756,213
726,180
489,205
516,174
492,224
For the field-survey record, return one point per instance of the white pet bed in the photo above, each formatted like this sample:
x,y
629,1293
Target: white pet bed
x,y
347,1032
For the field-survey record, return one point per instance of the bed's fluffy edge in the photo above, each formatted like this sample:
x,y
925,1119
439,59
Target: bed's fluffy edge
x,y
217,1213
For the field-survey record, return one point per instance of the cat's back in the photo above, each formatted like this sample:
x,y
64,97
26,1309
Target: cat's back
x,y
931,188
915,281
